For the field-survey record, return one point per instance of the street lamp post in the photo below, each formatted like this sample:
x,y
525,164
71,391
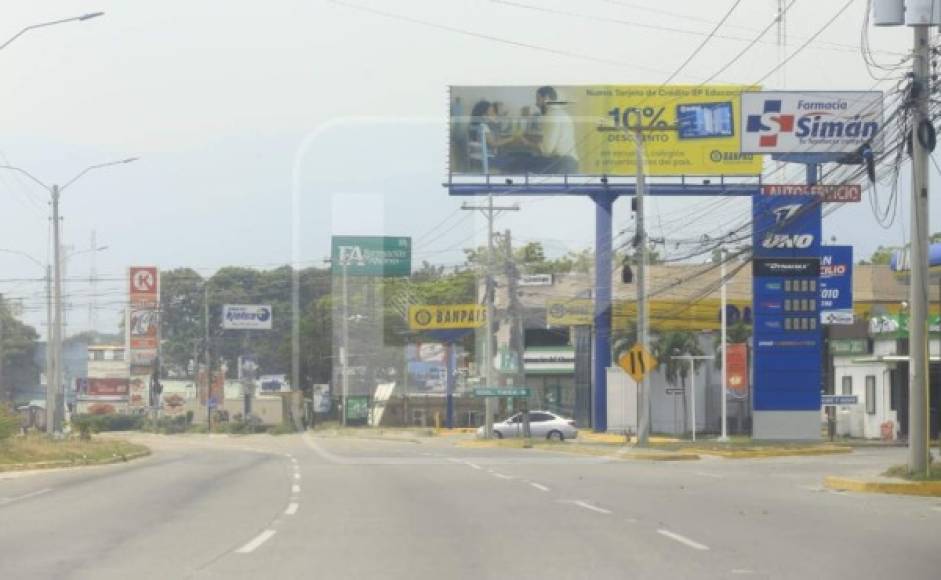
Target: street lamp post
x,y
81,18
55,192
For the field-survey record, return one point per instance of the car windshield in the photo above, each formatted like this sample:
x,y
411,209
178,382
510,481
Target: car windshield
x,y
470,289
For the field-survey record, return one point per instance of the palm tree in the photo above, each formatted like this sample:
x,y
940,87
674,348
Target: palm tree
x,y
670,344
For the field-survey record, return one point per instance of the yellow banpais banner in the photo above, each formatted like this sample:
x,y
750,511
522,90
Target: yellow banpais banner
x,y
446,316
586,130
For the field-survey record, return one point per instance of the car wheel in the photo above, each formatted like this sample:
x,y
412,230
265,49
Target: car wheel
x,y
555,436
497,434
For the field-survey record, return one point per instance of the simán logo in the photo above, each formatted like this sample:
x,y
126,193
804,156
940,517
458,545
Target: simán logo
x,y
817,121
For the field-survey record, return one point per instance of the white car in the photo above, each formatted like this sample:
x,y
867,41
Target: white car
x,y
541,424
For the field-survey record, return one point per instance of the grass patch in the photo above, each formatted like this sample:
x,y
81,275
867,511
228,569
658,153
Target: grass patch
x,y
901,472
22,452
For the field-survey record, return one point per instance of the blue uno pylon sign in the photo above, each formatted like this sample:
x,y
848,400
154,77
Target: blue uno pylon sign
x,y
787,329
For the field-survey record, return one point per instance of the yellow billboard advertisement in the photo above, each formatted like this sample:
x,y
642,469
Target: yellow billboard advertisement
x,y
587,130
665,315
446,316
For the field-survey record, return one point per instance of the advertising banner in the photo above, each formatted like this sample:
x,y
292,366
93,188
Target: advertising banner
x,y
246,316
446,316
582,130
139,391
105,387
736,372
703,314
845,193
381,256
143,326
836,285
810,121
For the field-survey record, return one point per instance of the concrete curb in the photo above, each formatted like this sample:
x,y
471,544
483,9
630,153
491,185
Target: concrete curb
x,y
66,463
918,488
766,453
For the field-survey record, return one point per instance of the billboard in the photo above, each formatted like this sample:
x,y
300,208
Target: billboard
x,y
810,121
142,324
382,256
139,391
581,130
246,316
446,316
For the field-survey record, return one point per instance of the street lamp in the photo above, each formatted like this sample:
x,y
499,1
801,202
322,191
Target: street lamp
x,y
81,18
56,337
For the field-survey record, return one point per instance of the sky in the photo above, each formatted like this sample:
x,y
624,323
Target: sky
x,y
264,128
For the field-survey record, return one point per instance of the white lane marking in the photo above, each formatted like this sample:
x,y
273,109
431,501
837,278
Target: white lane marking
x,y
297,476
502,476
707,474
257,541
295,488
474,465
455,460
937,508
292,508
594,508
538,486
8,500
683,540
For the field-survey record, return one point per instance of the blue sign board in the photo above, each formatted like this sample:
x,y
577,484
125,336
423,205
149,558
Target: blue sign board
x,y
787,330
836,278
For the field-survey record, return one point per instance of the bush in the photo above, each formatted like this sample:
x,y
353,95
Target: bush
x,y
9,423
282,429
166,425
92,423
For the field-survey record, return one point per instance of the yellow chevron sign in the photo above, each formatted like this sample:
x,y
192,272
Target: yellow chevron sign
x,y
637,362
446,316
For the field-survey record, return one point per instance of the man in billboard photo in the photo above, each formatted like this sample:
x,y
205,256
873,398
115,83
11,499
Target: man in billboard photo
x,y
557,152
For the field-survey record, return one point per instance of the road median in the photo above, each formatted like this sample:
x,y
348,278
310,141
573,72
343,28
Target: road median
x,y
884,486
34,453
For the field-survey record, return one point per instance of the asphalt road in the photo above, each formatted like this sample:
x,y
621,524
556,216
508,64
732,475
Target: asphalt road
x,y
310,507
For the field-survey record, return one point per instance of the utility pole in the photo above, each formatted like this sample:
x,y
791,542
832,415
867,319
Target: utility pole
x,y
54,414
345,337
918,448
50,354
488,212
723,255
208,356
640,240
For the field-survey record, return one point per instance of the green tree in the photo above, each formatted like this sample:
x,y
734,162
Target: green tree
x,y
17,347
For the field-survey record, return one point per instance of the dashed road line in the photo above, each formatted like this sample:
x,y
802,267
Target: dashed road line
x,y
292,508
502,476
936,508
474,465
255,542
9,500
594,508
538,486
297,476
295,488
683,540
707,474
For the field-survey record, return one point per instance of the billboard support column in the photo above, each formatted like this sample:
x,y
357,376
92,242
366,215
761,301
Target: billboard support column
x,y
602,313
449,354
